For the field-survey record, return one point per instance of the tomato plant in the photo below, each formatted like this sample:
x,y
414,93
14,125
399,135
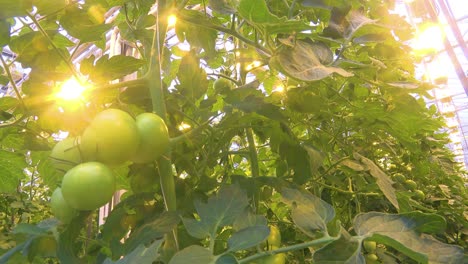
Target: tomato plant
x,y
88,186
294,124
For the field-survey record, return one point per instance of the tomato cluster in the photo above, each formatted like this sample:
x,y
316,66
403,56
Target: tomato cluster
x,y
112,138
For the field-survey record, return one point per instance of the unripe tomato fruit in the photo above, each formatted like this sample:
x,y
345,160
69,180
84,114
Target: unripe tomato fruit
x,y
154,138
65,155
88,186
274,238
222,85
60,208
419,195
275,259
372,258
411,185
111,138
370,246
399,177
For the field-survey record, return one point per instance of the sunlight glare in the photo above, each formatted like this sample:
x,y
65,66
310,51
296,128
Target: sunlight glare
x,y
70,90
183,126
429,39
171,20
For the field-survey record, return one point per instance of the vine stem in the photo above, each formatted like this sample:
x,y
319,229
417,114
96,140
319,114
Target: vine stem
x,y
253,162
323,240
156,89
13,83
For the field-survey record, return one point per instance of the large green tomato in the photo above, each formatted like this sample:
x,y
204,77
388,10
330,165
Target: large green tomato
x,y
154,138
60,208
88,186
111,138
274,238
65,155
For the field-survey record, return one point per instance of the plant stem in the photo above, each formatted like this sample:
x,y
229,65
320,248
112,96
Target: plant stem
x,y
13,83
253,162
322,240
155,84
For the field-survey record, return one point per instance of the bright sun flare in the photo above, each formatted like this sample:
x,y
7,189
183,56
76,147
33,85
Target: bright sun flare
x,y
171,20
70,90
429,39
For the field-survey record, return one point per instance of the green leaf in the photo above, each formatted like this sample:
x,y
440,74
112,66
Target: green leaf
x,y
78,23
308,212
220,210
248,219
302,62
227,259
343,250
115,67
258,14
4,32
8,102
383,181
402,233
141,254
45,7
256,104
223,6
193,80
247,237
155,229
14,8
29,229
316,157
193,254
11,171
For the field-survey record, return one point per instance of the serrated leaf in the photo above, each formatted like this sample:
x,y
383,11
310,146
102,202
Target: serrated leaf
x,y
194,255
356,20
78,24
402,233
219,211
115,67
141,254
258,14
7,103
301,62
14,8
4,32
11,171
308,212
29,229
223,6
343,251
248,219
247,238
155,229
316,158
404,85
46,7
354,165
383,181
193,81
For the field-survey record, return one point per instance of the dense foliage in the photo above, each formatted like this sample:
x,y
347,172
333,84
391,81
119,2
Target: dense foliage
x,y
303,116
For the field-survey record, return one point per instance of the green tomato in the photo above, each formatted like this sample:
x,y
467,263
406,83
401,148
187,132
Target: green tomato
x,y
60,208
154,138
419,195
411,185
88,186
398,177
65,155
372,258
274,238
370,246
222,85
111,138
